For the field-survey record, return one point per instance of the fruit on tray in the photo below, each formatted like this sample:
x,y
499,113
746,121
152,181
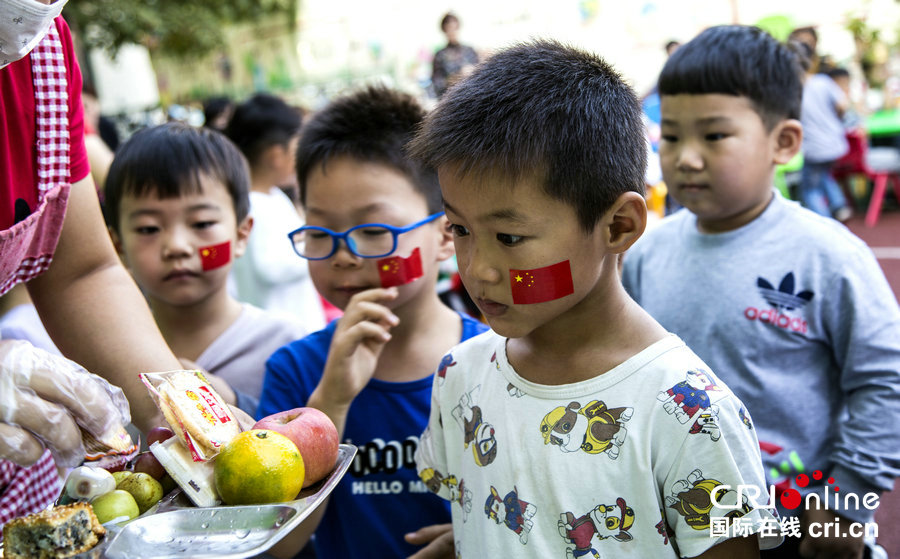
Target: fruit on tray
x,y
314,434
257,467
115,504
146,490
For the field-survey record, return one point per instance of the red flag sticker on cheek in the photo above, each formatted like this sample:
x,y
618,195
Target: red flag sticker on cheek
x,y
215,256
396,270
541,284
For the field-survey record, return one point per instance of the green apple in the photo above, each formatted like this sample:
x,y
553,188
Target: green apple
x,y
115,504
121,475
144,488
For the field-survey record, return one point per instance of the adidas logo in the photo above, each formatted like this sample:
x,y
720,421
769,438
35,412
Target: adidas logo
x,y
783,297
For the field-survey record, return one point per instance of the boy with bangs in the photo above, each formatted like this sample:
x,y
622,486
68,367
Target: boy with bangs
x,y
374,240
583,427
177,209
790,308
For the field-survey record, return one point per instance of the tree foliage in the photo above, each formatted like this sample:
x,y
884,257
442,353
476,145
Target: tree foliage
x,y
181,28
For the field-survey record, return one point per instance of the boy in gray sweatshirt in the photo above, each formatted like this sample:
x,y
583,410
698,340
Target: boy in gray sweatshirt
x,y
789,308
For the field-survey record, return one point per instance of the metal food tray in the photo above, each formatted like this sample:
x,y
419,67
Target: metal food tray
x,y
175,528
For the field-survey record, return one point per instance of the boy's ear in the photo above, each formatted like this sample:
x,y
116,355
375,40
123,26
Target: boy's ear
x,y
625,222
243,234
446,249
788,140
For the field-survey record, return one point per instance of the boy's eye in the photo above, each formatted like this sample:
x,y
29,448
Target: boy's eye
x,y
375,231
715,136
146,230
668,138
458,230
509,240
204,224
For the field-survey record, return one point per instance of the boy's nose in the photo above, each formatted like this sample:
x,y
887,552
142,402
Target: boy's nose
x,y
689,159
342,257
177,245
480,268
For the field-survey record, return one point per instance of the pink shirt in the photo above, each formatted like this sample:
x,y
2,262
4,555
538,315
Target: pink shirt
x,y
18,150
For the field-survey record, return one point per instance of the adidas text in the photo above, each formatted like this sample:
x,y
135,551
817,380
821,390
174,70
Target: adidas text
x,y
772,316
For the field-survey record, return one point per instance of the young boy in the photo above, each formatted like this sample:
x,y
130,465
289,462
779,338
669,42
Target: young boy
x,y
581,425
177,209
374,241
790,308
269,275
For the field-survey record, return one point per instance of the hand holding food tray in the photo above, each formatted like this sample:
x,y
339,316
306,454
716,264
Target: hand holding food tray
x,y
238,492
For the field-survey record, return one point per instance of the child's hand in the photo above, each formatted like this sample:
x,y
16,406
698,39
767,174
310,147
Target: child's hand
x,y
439,540
360,336
830,546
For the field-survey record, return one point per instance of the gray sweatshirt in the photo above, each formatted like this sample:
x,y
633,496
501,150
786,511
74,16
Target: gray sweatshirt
x,y
793,312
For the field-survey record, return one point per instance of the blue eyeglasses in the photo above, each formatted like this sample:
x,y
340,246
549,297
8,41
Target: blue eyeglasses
x,y
369,240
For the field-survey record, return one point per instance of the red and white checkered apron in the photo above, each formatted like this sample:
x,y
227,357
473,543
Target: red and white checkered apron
x,y
27,248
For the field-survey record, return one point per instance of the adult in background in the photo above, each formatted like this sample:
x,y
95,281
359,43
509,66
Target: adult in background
x,y
53,237
454,61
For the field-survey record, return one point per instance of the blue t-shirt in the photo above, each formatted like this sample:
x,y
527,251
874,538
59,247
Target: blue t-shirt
x,y
381,497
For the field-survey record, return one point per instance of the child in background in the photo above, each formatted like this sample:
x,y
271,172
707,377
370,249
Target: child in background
x,y
269,275
580,425
375,240
177,211
788,307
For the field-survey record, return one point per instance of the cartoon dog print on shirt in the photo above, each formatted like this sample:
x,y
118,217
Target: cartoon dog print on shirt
x,y
603,521
593,428
511,511
689,396
458,492
476,432
708,423
692,499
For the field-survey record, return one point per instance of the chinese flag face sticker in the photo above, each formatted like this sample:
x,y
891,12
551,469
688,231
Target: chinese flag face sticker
x,y
541,284
215,256
396,270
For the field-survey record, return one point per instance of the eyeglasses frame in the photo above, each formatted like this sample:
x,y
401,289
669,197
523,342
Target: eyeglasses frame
x,y
337,237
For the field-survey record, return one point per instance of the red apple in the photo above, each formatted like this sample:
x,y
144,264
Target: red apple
x,y
314,434
159,434
148,463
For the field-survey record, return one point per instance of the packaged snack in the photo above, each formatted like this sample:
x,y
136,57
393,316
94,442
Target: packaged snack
x,y
196,479
197,414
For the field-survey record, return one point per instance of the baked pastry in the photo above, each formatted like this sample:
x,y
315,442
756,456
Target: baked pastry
x,y
61,531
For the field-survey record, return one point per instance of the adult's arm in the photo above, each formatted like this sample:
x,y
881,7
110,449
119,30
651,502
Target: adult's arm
x,y
93,310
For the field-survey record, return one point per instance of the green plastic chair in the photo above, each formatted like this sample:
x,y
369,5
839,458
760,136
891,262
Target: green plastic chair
x,y
788,174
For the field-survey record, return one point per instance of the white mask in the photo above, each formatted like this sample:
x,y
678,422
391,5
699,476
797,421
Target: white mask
x,y
23,23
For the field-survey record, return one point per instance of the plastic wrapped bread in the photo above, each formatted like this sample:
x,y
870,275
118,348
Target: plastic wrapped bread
x,y
197,414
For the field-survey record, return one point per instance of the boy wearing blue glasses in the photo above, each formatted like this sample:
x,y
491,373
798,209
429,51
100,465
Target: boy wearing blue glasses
x,y
374,239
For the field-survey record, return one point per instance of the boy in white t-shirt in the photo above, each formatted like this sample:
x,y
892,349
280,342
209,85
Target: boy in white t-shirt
x,y
579,427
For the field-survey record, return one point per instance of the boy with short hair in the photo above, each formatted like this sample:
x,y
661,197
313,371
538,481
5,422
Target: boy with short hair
x,y
177,209
581,425
374,239
790,308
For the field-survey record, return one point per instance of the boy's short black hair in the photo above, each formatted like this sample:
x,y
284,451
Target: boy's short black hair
x,y
742,61
261,122
838,72
547,108
213,107
372,125
168,161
